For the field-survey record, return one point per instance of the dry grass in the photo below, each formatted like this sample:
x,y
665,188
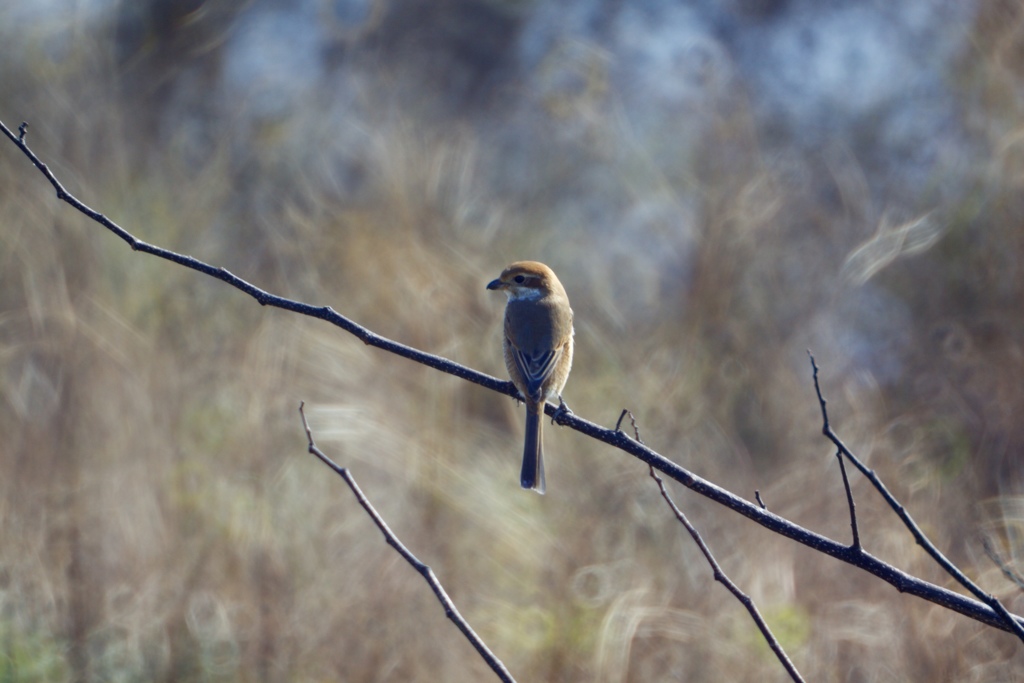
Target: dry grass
x,y
161,519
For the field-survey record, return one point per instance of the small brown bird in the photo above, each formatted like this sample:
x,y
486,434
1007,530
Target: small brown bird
x,y
538,350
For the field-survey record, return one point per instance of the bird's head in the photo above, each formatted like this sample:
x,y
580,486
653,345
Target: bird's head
x,y
524,280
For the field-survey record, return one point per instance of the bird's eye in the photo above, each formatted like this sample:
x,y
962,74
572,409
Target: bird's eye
x,y
520,279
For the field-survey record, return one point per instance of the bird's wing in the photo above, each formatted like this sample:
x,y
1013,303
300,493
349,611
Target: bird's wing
x,y
536,368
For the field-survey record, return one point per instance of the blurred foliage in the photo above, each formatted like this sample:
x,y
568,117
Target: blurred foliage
x,y
30,656
160,517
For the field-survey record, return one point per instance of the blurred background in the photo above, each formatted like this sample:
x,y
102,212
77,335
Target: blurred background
x,y
720,185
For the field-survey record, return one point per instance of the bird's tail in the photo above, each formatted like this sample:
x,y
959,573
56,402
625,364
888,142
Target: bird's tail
x,y
532,476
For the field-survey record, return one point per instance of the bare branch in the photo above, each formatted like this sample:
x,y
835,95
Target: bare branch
x,y
724,579
720,575
263,297
1004,567
983,612
428,574
1010,621
849,501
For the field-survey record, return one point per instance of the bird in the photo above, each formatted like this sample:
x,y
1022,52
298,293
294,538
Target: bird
x,y
538,346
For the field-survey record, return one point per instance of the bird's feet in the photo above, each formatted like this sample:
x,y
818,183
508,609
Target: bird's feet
x,y
563,409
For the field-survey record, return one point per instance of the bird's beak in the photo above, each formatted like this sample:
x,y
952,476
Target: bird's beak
x,y
496,284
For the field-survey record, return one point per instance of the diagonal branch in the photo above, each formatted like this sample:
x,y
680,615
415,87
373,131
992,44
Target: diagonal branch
x,y
1011,622
450,610
723,578
903,582
720,576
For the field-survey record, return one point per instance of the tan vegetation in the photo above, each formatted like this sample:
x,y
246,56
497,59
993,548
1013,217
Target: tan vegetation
x,y
160,518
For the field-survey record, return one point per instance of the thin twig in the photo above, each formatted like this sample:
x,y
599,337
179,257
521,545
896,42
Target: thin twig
x,y
632,421
622,415
716,568
1004,567
1013,624
849,501
757,497
450,610
902,581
